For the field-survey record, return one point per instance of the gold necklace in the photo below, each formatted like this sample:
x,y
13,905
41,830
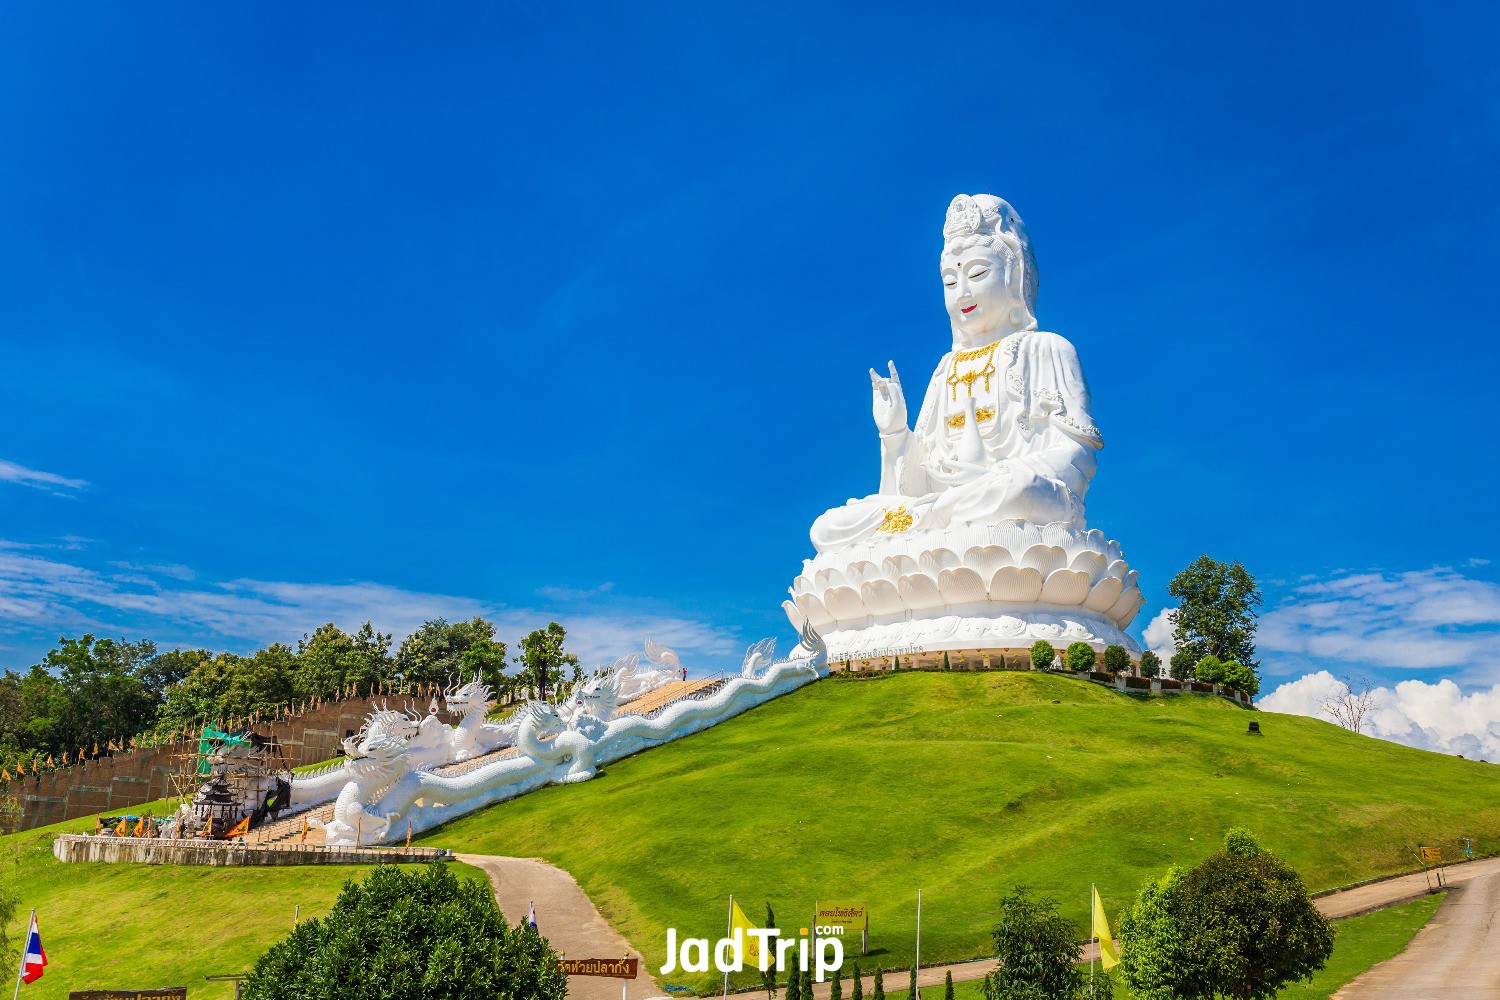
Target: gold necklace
x,y
973,375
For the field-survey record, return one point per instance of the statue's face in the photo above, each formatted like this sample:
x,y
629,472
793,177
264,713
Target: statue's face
x,y
974,290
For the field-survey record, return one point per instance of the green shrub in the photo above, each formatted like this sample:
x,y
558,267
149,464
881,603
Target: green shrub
x,y
1038,952
1150,664
1210,670
1080,657
410,934
1042,655
879,992
1183,662
948,986
836,985
858,991
1241,924
1116,660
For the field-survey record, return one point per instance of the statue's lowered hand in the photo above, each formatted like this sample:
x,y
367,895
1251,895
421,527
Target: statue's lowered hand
x,y
890,401
956,473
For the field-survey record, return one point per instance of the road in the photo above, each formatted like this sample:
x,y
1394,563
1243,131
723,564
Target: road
x,y
1455,957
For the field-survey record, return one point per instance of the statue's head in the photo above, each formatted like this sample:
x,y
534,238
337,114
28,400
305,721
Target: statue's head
x,y
989,272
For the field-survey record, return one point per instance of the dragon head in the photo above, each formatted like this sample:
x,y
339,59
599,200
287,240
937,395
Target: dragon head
x,y
600,695
469,698
542,718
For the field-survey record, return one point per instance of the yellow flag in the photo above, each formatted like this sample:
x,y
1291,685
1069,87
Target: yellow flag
x,y
240,829
739,922
1108,956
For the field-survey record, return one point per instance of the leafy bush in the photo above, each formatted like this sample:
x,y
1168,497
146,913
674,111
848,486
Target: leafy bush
x,y
409,934
858,992
1210,670
1080,657
1183,662
879,992
1116,660
1243,677
1042,654
1038,951
1241,924
1150,664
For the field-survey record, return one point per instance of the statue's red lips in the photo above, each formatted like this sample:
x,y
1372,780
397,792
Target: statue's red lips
x,y
969,309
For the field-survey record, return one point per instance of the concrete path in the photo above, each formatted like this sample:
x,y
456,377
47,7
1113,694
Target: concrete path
x,y
1455,957
1379,895
567,919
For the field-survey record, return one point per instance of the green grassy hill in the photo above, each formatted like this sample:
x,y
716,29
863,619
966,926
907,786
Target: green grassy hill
x,y
109,926
962,785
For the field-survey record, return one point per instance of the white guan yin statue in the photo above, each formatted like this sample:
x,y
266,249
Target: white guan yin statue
x,y
976,539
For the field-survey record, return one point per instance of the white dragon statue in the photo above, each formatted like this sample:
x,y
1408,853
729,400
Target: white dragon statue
x,y
380,752
554,749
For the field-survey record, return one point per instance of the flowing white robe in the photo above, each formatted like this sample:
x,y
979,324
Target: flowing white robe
x,y
1036,437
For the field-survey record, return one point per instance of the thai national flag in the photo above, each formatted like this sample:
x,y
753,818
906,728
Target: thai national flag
x,y
34,959
530,918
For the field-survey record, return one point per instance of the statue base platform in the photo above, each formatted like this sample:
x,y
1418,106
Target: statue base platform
x,y
977,588
979,636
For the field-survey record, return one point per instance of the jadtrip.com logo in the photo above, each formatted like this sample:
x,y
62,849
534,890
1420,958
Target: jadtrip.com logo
x,y
757,948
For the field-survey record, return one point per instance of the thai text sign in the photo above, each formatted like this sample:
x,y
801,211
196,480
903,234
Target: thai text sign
x,y
613,968
844,914
166,993
1432,854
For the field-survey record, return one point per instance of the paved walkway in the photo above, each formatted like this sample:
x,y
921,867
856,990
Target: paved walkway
x,y
567,919
572,923
1455,957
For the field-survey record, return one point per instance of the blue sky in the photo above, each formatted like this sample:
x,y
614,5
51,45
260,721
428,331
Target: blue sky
x,y
312,313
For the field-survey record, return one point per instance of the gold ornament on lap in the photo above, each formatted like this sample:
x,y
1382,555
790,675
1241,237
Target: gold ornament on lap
x,y
896,521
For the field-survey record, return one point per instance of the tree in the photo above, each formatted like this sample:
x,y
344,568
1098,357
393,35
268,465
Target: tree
x,y
794,981
1216,610
1080,657
1349,707
330,660
1042,654
836,985
1210,670
1038,951
1237,675
857,991
1240,925
768,978
1183,662
948,985
807,984
543,658
911,990
406,934
434,653
879,992
1116,660
1150,664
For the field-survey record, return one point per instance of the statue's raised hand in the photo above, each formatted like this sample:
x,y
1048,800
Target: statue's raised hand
x,y
890,402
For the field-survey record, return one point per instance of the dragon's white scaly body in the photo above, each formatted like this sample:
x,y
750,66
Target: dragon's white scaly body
x,y
554,748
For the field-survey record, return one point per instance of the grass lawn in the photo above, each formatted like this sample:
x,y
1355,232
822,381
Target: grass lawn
x,y
146,926
1362,942
963,785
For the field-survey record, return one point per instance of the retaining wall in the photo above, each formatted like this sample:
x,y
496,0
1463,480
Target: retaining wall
x,y
222,854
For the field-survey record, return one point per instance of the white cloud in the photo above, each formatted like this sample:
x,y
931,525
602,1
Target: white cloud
x,y
10,472
1437,716
169,603
1160,634
1435,619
